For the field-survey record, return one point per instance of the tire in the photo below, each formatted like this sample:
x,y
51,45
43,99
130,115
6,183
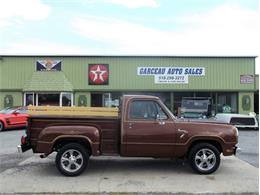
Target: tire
x,y
2,127
204,158
72,159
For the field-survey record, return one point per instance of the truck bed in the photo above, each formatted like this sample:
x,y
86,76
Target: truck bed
x,y
108,126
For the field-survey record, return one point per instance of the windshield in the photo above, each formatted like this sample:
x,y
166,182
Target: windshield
x,y
195,104
7,110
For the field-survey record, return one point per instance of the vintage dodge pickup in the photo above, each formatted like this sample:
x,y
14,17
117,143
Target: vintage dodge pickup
x,y
143,127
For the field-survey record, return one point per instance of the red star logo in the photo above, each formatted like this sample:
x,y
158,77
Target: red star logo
x,y
98,74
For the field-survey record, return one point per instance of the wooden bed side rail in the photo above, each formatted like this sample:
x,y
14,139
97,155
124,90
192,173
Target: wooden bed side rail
x,y
74,110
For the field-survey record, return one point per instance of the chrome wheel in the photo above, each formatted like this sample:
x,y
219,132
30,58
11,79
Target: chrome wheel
x,y
71,160
205,159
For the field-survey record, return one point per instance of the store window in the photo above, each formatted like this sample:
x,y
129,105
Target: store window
x,y
66,99
29,99
105,99
48,99
227,103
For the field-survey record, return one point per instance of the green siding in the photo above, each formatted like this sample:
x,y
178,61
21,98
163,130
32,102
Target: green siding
x,y
48,81
221,73
256,82
17,98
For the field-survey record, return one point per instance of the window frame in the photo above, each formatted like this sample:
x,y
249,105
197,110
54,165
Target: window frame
x,y
157,105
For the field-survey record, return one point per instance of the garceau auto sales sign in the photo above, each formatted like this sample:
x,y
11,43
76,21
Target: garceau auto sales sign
x,y
171,75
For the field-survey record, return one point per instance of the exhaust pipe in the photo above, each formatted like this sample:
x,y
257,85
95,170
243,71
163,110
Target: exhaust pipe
x,y
44,155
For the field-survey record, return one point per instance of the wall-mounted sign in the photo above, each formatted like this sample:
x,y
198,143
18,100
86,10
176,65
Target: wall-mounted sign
x,y
175,79
171,75
98,74
48,65
246,79
193,71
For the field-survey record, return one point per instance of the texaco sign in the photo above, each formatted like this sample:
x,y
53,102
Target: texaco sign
x,y
98,74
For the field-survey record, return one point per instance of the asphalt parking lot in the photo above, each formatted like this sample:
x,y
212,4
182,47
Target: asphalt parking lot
x,y
27,173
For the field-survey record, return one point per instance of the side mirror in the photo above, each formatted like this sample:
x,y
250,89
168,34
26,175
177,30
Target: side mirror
x,y
16,112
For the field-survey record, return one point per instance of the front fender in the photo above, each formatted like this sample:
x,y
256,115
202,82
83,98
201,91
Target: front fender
x,y
183,148
50,135
3,120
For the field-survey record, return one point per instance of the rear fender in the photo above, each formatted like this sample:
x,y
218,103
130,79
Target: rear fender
x,y
53,134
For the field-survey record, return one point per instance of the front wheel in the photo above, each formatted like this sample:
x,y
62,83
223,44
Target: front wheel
x,y
204,158
72,159
1,126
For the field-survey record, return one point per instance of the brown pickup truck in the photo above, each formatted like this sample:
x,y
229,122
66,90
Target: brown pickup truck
x,y
144,128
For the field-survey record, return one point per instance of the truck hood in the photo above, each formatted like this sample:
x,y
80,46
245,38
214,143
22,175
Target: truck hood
x,y
207,128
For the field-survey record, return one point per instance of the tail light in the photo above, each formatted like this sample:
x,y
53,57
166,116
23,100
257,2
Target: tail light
x,y
23,140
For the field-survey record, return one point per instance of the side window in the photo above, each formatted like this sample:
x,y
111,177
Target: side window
x,y
22,111
146,109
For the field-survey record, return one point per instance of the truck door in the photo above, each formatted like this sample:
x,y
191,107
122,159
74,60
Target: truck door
x,y
149,131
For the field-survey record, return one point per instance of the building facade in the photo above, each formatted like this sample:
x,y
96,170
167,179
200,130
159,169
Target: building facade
x,y
102,80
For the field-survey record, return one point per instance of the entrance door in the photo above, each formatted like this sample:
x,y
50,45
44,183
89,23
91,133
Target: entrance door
x,y
149,131
107,101
96,100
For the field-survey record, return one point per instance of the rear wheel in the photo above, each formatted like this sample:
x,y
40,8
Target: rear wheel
x,y
204,158
1,126
72,159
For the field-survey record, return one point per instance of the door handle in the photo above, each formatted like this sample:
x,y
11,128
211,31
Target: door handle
x,y
130,125
161,123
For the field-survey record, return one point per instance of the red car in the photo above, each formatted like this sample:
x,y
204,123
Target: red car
x,y
13,117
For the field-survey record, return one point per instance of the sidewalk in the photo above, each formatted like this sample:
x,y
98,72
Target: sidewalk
x,y
128,175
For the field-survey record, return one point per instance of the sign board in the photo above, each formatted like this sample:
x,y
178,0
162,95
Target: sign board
x,y
175,79
48,65
171,75
192,71
246,79
98,74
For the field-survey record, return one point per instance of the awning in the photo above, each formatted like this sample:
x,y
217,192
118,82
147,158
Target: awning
x,y
48,82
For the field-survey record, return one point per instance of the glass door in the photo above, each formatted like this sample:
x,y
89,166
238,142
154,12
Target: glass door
x,y
29,99
107,101
66,99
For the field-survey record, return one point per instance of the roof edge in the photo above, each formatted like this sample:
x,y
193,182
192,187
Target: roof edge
x,y
169,56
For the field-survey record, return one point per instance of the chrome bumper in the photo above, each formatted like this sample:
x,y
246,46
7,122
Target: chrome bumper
x,y
19,148
237,150
23,148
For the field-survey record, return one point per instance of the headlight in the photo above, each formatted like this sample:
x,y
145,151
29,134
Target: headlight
x,y
237,133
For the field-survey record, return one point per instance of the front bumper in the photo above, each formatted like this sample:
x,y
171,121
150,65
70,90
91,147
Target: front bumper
x,y
237,150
